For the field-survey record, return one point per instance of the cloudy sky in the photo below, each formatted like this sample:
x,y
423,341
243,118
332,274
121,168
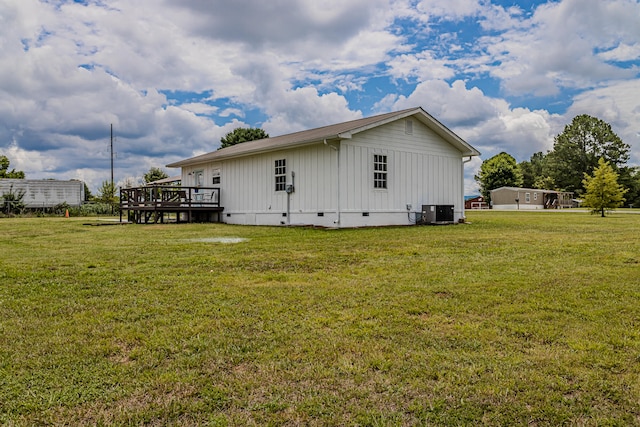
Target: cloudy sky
x,y
174,76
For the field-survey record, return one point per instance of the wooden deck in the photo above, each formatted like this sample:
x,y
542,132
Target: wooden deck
x,y
153,204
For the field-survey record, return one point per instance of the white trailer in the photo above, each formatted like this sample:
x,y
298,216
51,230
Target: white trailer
x,y
45,193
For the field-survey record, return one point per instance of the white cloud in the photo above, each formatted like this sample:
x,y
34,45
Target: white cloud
x,y
449,9
497,18
422,66
304,108
454,104
201,108
25,160
619,105
554,49
231,112
470,170
622,53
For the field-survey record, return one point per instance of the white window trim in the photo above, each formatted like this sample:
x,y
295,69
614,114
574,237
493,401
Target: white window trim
x,y
216,173
380,172
280,175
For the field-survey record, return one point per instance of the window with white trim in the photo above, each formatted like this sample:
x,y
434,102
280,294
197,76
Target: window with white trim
x,y
216,176
281,174
379,171
527,197
535,196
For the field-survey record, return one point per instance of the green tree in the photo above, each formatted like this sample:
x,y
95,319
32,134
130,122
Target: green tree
x,y
629,178
535,172
107,194
602,189
87,193
4,169
500,170
154,174
578,148
544,183
239,135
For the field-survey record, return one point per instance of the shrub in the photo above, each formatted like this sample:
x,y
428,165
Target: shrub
x,y
13,203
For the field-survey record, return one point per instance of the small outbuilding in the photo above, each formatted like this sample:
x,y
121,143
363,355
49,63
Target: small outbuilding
x,y
389,169
475,202
514,198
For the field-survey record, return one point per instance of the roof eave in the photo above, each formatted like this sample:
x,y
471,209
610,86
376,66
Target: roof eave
x,y
219,155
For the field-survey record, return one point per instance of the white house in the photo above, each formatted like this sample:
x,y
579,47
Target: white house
x,y
374,171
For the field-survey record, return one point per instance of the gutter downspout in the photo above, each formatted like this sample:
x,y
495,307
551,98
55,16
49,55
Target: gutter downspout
x,y
464,162
337,150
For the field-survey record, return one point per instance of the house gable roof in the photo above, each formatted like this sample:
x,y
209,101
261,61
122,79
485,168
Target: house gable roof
x,y
339,131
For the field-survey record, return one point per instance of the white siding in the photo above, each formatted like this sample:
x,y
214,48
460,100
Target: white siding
x,y
422,170
248,187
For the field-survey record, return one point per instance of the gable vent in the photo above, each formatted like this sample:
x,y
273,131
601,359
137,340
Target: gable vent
x,y
408,127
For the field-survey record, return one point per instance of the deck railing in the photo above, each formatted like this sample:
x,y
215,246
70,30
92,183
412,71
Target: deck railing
x,y
169,196
168,199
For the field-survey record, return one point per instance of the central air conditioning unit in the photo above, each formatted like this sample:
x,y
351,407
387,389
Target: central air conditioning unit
x,y
436,214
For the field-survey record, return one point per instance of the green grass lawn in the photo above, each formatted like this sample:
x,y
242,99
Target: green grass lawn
x,y
518,318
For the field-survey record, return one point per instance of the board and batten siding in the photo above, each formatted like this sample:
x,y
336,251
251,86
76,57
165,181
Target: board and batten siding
x,y
247,187
421,170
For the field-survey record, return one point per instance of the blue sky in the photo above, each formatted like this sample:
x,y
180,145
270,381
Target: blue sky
x,y
174,77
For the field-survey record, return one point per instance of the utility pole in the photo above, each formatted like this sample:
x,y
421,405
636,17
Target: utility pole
x,y
113,189
112,155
